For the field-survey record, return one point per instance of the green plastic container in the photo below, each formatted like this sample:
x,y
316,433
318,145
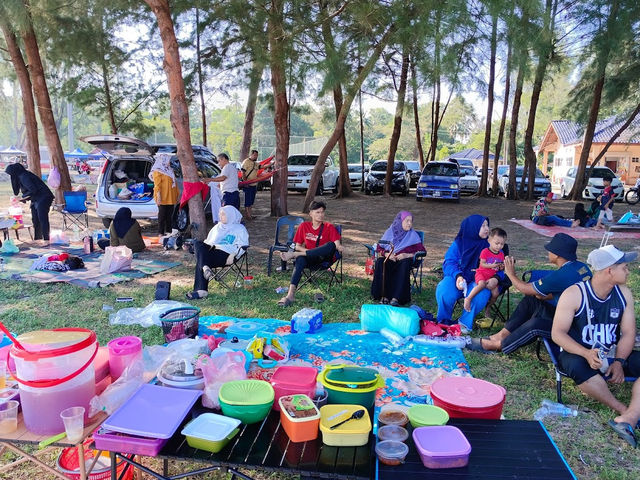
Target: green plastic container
x,y
351,385
427,416
247,400
210,432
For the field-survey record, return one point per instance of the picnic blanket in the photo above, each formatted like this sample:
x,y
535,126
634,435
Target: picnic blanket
x,y
577,232
408,371
16,267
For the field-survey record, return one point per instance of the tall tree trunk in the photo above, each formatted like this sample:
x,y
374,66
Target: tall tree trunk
x,y
513,131
397,120
342,117
28,106
544,57
487,128
255,76
503,122
107,97
435,105
179,111
416,118
601,67
277,37
41,92
203,107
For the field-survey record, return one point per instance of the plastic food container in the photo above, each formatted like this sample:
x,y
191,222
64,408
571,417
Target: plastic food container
x,y
393,416
243,330
468,397
210,432
289,380
393,432
181,375
300,417
353,433
247,400
427,415
120,442
442,446
351,385
391,452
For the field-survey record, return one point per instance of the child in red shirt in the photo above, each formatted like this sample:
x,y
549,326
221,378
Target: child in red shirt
x,y
491,261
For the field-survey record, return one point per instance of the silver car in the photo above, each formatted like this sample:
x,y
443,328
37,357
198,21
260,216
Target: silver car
x,y
595,186
355,175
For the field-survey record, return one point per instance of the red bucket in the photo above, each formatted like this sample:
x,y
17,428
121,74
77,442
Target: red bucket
x,y
468,397
68,464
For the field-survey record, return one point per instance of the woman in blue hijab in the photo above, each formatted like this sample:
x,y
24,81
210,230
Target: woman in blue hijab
x,y
391,279
458,267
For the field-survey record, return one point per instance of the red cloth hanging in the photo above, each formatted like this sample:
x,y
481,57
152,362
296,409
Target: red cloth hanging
x,y
190,189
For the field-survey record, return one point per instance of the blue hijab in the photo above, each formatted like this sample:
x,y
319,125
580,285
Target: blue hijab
x,y
470,245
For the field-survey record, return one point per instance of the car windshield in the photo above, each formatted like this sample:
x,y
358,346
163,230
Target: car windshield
x,y
440,169
304,160
382,167
355,168
519,171
502,169
602,172
467,171
413,166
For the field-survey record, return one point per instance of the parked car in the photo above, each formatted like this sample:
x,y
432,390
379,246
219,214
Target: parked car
x,y
355,175
542,185
199,151
299,176
469,181
439,180
414,172
135,158
374,181
594,185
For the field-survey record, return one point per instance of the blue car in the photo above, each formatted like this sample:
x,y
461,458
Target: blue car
x,y
439,180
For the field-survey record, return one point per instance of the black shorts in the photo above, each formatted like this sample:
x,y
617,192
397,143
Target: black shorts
x,y
577,368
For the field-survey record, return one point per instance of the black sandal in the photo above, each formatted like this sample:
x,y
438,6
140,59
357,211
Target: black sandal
x,y
194,296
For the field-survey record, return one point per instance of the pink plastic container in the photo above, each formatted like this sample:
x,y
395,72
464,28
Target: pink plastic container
x,y
289,380
119,442
122,352
442,446
468,397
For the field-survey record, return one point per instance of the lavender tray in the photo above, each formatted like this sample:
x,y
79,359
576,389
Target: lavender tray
x,y
119,442
153,411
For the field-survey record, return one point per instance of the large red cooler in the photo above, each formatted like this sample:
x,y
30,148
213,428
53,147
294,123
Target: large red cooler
x,y
290,380
468,397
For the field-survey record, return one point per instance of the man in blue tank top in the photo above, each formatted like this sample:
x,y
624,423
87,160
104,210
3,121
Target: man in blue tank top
x,y
593,319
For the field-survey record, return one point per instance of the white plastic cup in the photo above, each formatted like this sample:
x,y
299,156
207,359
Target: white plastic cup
x,y
9,416
73,418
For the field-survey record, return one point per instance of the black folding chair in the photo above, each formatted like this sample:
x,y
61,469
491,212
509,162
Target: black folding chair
x,y
331,269
290,223
236,271
75,210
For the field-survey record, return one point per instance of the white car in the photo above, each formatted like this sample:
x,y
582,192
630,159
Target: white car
x,y
469,182
355,175
595,186
541,186
299,176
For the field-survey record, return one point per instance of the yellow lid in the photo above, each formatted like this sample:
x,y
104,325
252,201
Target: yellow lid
x,y
333,414
50,339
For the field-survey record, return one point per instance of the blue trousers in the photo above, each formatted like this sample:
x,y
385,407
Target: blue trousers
x,y
447,295
552,220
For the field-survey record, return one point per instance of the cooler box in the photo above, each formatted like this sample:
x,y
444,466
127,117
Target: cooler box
x,y
300,417
468,397
289,380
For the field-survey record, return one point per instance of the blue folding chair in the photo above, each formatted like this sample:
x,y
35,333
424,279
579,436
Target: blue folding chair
x,y
290,223
75,211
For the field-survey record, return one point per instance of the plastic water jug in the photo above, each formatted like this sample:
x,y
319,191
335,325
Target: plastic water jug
x,y
123,352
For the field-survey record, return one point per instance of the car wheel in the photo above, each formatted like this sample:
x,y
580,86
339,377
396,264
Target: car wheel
x,y
418,199
367,191
181,219
106,222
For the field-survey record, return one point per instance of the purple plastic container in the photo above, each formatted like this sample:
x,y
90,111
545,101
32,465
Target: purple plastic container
x,y
442,446
121,443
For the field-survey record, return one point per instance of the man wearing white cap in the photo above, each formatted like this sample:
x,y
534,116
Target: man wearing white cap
x,y
595,326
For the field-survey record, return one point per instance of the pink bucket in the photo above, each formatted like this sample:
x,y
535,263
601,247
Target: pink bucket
x,y
123,352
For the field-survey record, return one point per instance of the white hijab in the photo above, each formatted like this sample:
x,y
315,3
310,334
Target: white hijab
x,y
163,165
229,236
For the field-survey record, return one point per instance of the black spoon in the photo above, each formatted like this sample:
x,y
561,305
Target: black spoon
x,y
354,416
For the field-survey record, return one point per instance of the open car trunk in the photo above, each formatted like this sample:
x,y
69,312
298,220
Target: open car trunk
x,y
127,180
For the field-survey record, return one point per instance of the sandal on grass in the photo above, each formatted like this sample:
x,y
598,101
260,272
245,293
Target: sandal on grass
x,y
318,297
625,432
476,346
285,302
194,296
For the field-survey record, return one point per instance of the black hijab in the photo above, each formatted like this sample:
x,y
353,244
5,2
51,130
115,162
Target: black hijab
x,y
122,222
14,171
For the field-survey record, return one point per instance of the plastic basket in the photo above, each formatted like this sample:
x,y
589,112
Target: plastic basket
x,y
179,323
67,463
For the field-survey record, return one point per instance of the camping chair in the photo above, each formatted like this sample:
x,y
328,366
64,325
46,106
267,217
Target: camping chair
x,y
290,222
238,270
75,210
313,274
416,267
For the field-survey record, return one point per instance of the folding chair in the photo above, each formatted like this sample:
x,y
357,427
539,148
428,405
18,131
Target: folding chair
x,y
290,222
238,269
75,210
313,274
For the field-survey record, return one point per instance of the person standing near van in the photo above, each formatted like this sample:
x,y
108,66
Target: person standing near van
x,y
165,191
250,172
228,179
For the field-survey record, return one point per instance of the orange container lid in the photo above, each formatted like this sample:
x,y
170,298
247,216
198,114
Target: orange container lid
x,y
298,408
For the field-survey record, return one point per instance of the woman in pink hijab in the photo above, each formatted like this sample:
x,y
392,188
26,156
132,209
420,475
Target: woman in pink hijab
x,y
398,245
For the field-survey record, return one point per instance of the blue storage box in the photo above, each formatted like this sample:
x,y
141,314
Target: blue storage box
x,y
243,330
307,320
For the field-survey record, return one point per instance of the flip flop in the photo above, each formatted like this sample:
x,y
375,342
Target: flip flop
x,y
394,303
285,302
625,432
476,346
318,297
194,296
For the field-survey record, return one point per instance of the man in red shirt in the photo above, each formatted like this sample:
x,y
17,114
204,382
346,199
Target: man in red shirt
x,y
314,242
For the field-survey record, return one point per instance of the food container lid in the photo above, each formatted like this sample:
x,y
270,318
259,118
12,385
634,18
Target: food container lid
x,y
304,377
356,426
393,416
392,450
243,328
234,344
426,415
348,374
393,432
211,427
180,371
441,441
246,392
125,345
298,408
467,392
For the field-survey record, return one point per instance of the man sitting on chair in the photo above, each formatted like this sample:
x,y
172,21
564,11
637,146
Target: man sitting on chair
x,y
315,242
593,320
533,316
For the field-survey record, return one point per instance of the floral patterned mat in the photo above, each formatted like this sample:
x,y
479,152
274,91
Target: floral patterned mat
x,y
408,370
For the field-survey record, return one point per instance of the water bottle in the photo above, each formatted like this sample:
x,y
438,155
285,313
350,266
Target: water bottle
x,y
464,288
396,339
301,324
555,408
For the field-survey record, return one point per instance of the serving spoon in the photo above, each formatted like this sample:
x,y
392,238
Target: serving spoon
x,y
354,416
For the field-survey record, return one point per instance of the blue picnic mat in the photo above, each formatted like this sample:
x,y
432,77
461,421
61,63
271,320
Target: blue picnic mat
x,y
408,371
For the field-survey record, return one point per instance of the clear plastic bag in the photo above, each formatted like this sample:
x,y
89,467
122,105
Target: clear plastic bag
x,y
218,370
145,317
119,391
